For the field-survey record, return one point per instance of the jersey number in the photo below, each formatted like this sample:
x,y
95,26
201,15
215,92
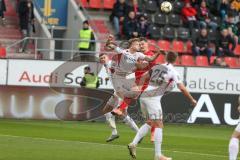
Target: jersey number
x,y
157,76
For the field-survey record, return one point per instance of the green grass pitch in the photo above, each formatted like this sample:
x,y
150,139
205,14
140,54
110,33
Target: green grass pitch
x,y
58,140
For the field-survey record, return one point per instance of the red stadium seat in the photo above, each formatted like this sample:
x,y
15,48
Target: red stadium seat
x,y
189,47
237,50
108,4
177,62
96,4
164,45
160,59
178,46
202,61
212,59
187,60
152,45
84,3
231,61
3,53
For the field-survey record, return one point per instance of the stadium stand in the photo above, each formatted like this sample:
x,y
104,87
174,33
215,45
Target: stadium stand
x,y
202,61
231,61
178,46
167,31
187,60
170,32
10,33
164,45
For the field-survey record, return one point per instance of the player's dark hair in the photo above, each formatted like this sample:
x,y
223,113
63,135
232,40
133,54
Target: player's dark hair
x,y
171,57
143,39
131,41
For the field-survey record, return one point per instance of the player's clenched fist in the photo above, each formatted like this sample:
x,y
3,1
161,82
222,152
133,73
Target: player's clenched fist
x,y
194,103
110,44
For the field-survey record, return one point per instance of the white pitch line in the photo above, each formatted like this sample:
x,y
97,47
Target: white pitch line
x,y
112,145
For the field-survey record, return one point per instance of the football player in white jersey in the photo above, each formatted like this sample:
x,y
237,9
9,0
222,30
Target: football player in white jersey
x,y
114,102
124,63
234,141
162,77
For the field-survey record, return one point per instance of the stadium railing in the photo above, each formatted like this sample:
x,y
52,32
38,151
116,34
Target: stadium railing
x,y
51,51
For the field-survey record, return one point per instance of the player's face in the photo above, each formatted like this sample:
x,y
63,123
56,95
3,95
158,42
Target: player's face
x,y
103,59
143,46
135,46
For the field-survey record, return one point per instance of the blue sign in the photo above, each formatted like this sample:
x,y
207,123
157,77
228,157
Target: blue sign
x,y
53,11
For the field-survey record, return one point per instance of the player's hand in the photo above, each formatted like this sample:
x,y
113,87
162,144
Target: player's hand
x,y
110,46
194,103
110,38
159,51
238,109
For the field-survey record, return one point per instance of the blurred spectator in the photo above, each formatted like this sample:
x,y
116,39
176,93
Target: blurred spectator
x,y
133,6
195,3
231,26
204,16
90,80
238,33
218,62
224,43
143,26
2,10
201,45
26,18
214,6
120,10
130,26
232,11
85,34
189,14
223,9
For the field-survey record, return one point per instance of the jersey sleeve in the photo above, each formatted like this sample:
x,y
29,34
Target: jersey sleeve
x,y
141,56
119,50
176,77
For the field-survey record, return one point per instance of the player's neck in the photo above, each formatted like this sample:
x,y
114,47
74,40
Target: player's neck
x,y
132,51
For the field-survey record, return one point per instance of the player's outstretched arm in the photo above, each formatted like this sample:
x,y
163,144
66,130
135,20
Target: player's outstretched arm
x,y
186,93
141,66
154,57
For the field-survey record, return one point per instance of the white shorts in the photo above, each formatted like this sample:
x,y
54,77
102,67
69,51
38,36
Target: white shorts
x,y
151,107
114,101
238,128
123,86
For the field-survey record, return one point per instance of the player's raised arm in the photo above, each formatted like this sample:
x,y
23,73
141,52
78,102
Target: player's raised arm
x,y
154,57
186,93
141,66
171,59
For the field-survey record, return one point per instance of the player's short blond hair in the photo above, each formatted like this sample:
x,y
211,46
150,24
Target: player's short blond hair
x,y
131,41
171,57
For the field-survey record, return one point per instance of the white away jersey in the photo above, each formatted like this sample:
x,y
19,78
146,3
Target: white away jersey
x,y
163,77
124,62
